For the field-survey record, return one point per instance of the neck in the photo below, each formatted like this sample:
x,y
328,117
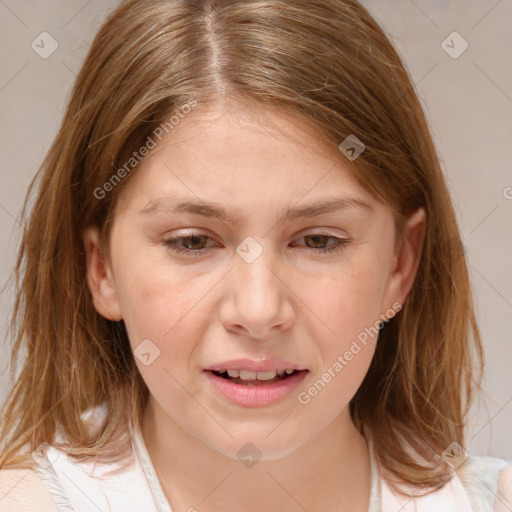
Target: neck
x,y
193,475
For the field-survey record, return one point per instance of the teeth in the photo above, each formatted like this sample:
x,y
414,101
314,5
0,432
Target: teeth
x,y
251,375
248,375
266,375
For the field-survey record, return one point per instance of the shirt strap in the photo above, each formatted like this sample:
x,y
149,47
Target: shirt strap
x,y
46,473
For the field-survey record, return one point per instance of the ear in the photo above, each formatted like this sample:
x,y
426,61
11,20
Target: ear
x,y
406,260
99,277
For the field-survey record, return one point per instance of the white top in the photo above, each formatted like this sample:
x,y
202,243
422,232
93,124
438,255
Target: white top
x,y
84,487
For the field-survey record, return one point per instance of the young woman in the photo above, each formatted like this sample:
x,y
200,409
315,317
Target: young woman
x,y
239,285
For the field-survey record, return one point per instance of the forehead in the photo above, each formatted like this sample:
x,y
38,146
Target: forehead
x,y
229,156
238,129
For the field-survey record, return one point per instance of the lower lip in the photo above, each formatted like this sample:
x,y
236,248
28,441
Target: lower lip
x,y
258,395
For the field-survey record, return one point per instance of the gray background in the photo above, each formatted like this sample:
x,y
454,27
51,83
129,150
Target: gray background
x,y
468,100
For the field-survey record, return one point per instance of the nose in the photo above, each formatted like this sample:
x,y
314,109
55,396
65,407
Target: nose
x,y
258,300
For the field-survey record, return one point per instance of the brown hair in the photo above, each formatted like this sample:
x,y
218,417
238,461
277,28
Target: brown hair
x,y
326,61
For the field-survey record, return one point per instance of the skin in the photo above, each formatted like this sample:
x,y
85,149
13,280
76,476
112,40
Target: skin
x,y
291,303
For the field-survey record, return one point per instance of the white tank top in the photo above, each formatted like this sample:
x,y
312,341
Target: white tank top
x,y
84,487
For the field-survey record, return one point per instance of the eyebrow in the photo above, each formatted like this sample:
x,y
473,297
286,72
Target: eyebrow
x,y
197,207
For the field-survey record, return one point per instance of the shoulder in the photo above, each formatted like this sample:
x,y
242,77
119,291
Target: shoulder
x,y
504,494
21,490
488,480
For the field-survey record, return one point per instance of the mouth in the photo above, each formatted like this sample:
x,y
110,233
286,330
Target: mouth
x,y
255,389
252,378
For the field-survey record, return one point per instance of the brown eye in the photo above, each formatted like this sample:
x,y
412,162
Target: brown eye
x,y
319,241
190,245
195,243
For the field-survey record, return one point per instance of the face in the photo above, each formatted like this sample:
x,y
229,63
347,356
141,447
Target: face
x,y
275,278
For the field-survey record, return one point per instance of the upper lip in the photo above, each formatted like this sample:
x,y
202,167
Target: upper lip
x,y
256,366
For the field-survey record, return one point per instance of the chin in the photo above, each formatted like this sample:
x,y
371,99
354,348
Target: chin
x,y
250,449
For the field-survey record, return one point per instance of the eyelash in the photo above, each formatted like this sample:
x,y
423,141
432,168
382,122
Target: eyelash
x,y
340,244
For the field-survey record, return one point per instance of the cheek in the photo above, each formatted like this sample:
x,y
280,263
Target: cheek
x,y
160,313
169,306
346,339
349,306
154,300
348,302
155,294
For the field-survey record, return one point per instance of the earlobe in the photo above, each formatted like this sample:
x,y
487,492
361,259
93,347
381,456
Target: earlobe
x,y
408,257
99,277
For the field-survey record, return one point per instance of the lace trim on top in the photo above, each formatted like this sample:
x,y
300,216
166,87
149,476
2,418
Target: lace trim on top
x,y
52,482
142,455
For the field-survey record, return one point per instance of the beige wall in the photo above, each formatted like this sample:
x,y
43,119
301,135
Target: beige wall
x,y
468,101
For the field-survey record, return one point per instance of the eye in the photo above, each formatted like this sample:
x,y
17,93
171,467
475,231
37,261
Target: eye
x,y
195,243
194,240
323,238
